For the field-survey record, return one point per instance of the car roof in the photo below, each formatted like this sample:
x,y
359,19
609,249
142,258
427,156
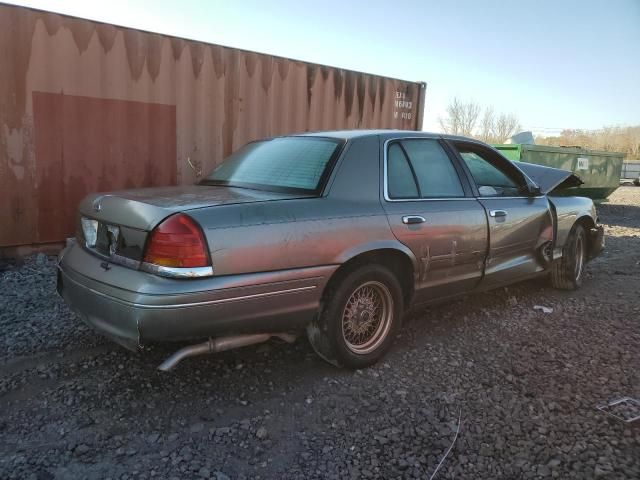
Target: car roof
x,y
387,134
350,134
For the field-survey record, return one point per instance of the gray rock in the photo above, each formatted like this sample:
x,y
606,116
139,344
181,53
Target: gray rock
x,y
82,449
486,450
543,471
196,427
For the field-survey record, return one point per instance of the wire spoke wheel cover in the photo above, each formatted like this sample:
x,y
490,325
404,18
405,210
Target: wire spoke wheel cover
x,y
367,317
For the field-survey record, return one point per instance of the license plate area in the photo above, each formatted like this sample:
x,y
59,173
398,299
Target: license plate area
x,y
107,239
101,237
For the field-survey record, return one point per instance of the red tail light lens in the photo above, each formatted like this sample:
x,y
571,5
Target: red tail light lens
x,y
177,242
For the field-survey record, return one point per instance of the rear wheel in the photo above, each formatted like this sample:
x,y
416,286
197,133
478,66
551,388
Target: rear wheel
x,y
567,272
359,317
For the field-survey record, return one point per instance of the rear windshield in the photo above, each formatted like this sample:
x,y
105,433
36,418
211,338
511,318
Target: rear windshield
x,y
287,163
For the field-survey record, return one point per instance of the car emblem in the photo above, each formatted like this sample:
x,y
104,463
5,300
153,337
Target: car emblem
x,y
97,203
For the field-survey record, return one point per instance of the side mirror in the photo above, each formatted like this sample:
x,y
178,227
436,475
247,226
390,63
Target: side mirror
x,y
534,190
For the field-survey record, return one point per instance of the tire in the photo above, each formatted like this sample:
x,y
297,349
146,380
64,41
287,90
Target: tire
x,y
349,330
567,272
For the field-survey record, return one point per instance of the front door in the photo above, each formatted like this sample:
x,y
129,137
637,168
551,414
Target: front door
x,y
520,223
431,213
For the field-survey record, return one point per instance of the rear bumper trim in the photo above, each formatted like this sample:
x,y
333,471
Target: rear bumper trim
x,y
176,272
192,304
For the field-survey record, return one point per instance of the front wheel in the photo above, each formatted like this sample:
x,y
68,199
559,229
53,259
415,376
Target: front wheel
x,y
567,272
359,317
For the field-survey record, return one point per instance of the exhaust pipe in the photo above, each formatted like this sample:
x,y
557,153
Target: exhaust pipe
x,y
215,345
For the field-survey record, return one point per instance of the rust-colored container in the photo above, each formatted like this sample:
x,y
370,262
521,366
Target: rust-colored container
x,y
87,106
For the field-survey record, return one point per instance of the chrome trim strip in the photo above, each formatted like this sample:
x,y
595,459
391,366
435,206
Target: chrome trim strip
x,y
431,199
171,272
386,182
193,304
176,272
498,197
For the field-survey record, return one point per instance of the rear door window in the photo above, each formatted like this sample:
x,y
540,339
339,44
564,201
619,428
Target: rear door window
x,y
436,175
421,169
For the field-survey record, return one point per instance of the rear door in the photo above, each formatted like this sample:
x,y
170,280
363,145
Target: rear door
x,y
431,209
520,222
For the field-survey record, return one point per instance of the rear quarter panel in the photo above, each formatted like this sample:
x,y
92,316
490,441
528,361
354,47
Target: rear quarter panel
x,y
569,210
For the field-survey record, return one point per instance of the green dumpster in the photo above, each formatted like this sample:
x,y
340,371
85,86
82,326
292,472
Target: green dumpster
x,y
600,171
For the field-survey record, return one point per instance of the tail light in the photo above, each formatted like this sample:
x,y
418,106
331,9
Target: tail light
x,y
177,248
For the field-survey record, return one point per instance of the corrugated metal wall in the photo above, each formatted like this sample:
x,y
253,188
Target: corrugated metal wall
x,y
86,107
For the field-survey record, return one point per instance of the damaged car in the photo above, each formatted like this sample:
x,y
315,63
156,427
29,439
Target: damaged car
x,y
334,233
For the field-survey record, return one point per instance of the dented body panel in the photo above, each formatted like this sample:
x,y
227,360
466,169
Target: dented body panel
x,y
273,254
517,239
569,211
549,178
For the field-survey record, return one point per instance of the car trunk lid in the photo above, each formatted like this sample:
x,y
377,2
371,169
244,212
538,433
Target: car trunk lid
x,y
120,221
144,208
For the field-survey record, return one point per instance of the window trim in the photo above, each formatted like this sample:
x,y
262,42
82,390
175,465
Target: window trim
x,y
445,149
411,169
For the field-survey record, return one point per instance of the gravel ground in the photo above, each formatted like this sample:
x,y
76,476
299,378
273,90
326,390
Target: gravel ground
x,y
525,385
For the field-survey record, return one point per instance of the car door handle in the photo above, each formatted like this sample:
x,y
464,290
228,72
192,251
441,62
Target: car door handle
x,y
412,219
498,213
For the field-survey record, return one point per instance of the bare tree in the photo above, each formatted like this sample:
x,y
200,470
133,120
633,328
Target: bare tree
x,y
451,122
505,126
471,111
487,125
461,118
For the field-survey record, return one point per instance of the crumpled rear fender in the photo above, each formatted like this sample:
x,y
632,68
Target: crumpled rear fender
x,y
570,210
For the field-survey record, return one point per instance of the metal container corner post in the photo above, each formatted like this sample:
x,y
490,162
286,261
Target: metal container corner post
x,y
421,105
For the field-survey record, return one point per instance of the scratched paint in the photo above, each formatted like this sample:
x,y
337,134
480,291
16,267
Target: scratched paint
x,y
221,98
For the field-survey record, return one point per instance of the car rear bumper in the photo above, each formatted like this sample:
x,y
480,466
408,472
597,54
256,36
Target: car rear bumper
x,y
117,321
134,308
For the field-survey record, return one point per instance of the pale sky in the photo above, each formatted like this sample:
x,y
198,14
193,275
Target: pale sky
x,y
553,63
